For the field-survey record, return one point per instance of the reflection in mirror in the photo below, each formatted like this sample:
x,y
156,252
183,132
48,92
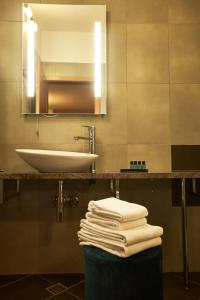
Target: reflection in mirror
x,y
64,59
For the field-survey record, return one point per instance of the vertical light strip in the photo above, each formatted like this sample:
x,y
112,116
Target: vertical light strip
x,y
31,59
97,58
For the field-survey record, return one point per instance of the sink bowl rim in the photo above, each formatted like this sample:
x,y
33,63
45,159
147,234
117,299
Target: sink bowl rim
x,y
62,153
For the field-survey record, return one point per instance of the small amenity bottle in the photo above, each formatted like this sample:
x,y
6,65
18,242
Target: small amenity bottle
x,y
143,166
135,165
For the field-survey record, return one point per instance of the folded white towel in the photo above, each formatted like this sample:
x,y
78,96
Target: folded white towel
x,y
120,250
117,209
125,237
114,224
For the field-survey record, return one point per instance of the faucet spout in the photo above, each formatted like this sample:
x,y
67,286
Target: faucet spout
x,y
76,138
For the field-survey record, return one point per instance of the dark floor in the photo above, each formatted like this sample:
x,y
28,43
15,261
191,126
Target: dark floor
x,y
71,287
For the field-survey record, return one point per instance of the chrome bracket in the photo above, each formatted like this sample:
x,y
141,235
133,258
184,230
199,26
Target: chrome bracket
x,y
114,187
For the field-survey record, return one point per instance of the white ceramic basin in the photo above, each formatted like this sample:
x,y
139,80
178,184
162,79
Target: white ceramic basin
x,y
57,161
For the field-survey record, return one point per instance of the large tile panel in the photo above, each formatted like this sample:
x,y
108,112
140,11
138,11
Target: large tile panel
x,y
184,110
15,237
112,158
116,53
59,130
12,10
147,11
112,128
148,114
10,51
147,53
10,109
184,11
157,157
116,9
185,53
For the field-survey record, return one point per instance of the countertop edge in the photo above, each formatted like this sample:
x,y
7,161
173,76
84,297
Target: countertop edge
x,y
24,175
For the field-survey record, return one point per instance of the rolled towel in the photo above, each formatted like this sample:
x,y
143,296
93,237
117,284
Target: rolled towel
x,y
120,250
125,237
114,224
116,209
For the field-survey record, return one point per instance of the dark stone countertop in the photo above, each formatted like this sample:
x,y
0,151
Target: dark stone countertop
x,y
129,175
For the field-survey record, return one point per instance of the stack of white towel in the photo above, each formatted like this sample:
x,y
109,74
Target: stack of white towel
x,y
118,227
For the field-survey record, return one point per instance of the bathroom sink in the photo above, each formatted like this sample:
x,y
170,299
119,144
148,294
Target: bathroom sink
x,y
57,161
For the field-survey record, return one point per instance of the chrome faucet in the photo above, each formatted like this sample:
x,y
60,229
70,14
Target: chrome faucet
x,y
91,140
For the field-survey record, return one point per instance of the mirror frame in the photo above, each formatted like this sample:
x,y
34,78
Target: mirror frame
x,y
99,95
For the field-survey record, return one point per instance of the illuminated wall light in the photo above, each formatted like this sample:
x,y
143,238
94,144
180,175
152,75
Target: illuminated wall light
x,y
31,28
97,58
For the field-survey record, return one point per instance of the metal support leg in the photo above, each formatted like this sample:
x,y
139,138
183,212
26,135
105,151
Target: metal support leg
x,y
184,232
117,188
18,186
194,185
114,187
1,192
60,203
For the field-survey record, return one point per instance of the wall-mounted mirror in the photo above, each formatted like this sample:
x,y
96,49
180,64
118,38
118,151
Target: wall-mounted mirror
x,y
64,59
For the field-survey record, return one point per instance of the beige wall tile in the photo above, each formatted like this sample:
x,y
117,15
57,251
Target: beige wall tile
x,y
116,53
116,9
183,11
112,128
157,157
147,53
28,130
147,11
52,239
118,157
184,111
10,109
184,53
10,160
59,130
111,158
115,158
10,51
14,252
103,163
12,10
148,114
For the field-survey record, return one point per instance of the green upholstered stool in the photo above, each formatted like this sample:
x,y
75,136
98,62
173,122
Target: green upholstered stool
x,y
109,277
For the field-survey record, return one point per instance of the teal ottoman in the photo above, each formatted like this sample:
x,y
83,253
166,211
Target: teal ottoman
x,y
109,277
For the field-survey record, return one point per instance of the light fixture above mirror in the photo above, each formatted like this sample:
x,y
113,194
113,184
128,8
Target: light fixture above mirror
x,y
64,59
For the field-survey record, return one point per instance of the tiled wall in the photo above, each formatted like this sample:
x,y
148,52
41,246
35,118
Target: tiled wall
x,y
153,102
